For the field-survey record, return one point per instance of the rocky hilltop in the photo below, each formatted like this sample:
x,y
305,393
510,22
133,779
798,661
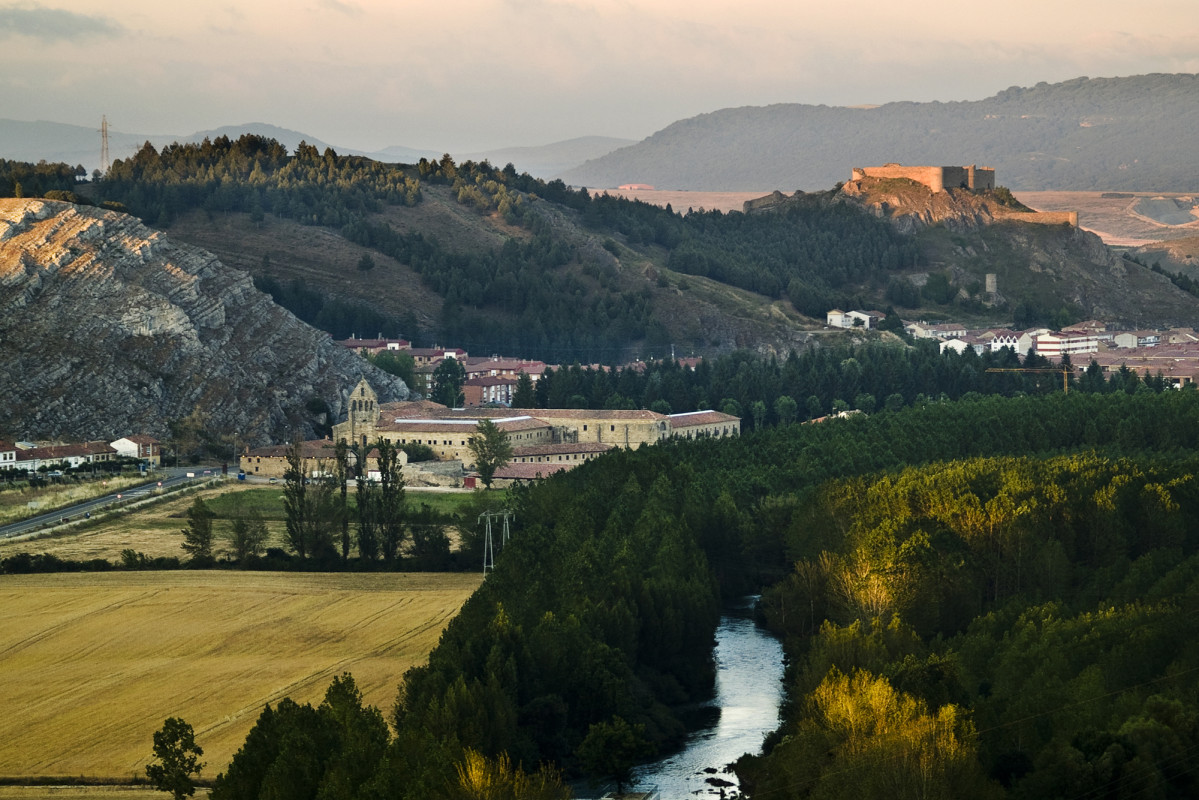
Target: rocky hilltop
x,y
1039,259
108,328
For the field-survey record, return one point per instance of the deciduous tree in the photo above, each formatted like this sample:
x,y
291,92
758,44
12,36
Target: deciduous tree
x,y
491,449
177,759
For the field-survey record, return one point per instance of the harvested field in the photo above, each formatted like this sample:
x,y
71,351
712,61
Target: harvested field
x,y
93,663
86,793
157,530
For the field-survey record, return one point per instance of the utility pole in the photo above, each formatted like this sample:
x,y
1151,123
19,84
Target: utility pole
x,y
104,163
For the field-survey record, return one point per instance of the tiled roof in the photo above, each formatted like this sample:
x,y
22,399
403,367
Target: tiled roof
x,y
507,423
527,472
592,413
426,409
491,380
563,448
412,425
690,418
141,438
68,450
372,343
519,424
313,448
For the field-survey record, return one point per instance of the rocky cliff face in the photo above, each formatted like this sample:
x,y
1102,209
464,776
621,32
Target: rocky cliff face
x,y
910,206
108,328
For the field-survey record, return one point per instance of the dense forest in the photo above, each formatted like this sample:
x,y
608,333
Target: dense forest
x,y
980,598
20,179
769,391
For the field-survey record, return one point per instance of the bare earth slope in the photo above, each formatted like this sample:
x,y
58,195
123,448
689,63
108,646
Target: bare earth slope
x,y
109,328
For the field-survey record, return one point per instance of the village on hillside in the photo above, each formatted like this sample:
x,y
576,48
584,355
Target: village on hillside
x,y
1173,353
549,440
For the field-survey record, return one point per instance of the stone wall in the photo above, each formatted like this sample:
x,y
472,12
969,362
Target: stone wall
x,y
937,179
1045,217
761,203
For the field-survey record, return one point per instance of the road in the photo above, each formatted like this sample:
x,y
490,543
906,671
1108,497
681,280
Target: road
x,y
167,477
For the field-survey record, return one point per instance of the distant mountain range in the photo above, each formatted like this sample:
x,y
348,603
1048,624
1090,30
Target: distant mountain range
x,y
1131,134
78,144
1119,134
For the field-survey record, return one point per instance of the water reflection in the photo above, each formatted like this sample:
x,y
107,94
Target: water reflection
x,y
749,672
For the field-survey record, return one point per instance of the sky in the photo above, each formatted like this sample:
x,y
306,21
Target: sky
x,y
464,76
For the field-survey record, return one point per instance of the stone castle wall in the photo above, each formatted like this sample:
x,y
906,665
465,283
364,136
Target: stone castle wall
x,y
761,203
937,179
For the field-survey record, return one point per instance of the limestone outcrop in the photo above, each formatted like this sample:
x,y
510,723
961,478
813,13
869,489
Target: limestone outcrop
x,y
910,205
108,328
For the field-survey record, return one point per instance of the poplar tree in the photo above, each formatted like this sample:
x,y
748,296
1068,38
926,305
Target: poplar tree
x,y
197,536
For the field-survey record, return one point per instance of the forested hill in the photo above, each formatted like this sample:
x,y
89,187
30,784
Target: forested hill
x,y
497,261
493,260
1127,134
1003,594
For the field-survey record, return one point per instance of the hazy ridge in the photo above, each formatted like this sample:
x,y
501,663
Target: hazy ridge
x,y
79,144
1132,133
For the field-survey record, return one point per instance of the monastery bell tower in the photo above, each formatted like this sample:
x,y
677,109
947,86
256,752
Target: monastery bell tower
x,y
363,414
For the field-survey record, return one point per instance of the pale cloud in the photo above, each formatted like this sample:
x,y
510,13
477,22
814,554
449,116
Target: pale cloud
x,y
349,9
53,24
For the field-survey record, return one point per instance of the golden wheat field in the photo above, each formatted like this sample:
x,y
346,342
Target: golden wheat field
x,y
86,793
91,664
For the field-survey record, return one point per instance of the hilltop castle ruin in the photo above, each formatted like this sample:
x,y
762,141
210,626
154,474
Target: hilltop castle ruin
x,y
937,179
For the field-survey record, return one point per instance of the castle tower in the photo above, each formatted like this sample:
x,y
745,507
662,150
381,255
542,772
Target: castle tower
x,y
362,421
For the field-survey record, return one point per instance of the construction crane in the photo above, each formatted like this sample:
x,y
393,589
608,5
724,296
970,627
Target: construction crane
x,y
1065,371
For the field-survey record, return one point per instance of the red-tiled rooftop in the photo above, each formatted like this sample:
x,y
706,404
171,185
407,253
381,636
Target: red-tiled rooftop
x,y
68,450
426,409
313,448
506,423
492,380
690,418
563,448
141,438
528,472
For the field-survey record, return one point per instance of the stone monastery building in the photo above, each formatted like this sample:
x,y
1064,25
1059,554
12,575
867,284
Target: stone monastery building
x,y
536,434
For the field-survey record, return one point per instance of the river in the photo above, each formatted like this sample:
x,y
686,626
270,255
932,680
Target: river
x,y
749,689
